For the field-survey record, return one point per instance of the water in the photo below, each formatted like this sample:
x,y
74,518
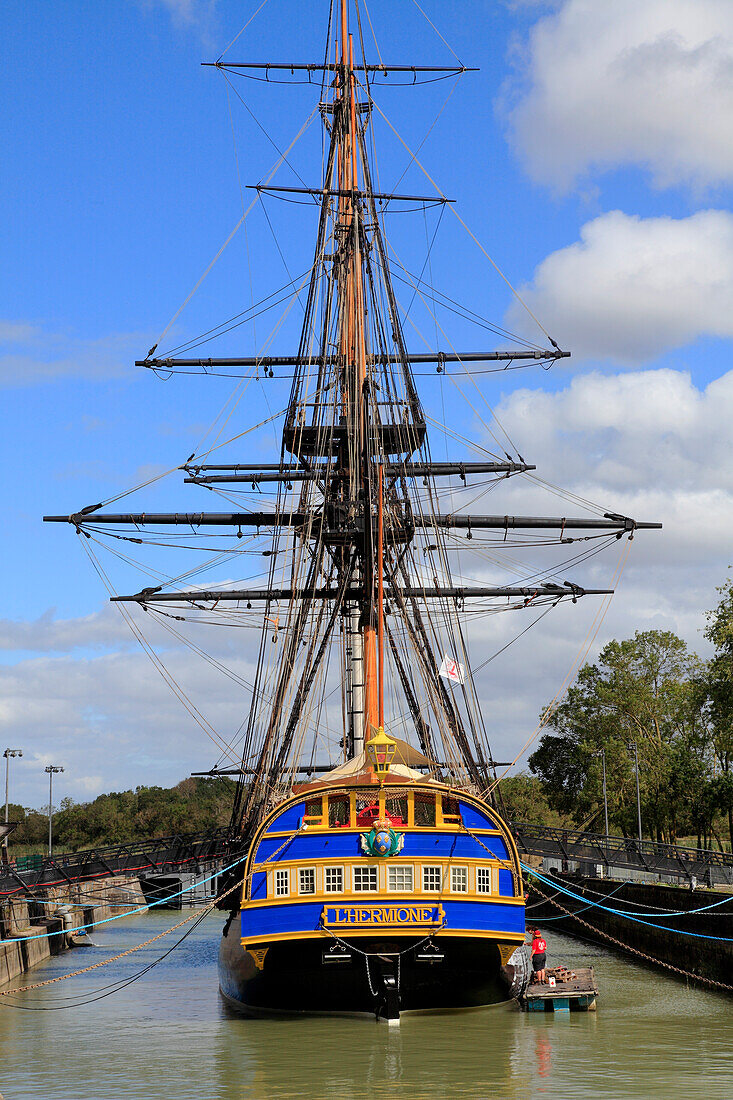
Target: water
x,y
168,1035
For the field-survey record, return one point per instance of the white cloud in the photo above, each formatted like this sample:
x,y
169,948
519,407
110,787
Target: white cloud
x,y
47,634
30,355
632,288
648,444
198,15
644,82
183,10
90,783
16,332
112,717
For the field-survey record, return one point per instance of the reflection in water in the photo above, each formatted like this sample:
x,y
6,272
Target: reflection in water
x,y
435,1055
543,1053
170,1035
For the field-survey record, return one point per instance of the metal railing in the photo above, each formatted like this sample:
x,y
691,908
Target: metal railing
x,y
159,854
625,853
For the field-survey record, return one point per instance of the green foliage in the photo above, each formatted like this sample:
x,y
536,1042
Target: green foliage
x,y
525,799
193,805
716,685
716,694
32,828
645,689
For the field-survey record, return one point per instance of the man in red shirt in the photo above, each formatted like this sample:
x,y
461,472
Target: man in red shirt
x,y
539,956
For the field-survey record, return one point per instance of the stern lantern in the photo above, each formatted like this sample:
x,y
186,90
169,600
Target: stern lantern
x,y
380,750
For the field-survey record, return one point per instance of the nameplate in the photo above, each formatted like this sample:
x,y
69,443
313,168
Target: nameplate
x,y
377,916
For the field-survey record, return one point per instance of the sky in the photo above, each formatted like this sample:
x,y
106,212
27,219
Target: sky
x,y
591,158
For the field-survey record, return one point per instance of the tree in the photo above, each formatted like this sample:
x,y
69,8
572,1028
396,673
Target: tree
x,y
525,799
716,688
643,689
194,805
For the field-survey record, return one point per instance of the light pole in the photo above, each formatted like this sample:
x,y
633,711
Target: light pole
x,y
632,745
7,754
602,754
52,770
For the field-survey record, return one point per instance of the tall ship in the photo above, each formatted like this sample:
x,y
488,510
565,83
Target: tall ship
x,y
381,874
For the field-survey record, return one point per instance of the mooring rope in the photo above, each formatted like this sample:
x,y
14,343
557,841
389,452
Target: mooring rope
x,y
635,950
199,914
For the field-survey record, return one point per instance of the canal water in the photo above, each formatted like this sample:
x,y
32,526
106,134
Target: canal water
x,y
167,1035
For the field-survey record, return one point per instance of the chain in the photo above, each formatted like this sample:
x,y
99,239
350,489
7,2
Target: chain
x,y
288,840
612,939
507,864
114,958
634,950
369,976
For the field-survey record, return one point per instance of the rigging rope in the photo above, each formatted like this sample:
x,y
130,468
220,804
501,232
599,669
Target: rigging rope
x,y
580,657
157,662
234,231
634,950
241,32
131,912
471,234
637,919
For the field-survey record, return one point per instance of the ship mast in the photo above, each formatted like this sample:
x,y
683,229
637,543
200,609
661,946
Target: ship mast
x,y
361,642
346,515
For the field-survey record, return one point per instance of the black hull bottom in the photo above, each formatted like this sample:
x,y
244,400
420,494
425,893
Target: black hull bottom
x,y
316,976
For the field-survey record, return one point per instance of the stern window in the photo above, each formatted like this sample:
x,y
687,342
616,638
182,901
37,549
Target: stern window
x,y
396,807
432,879
339,813
459,880
365,878
282,884
307,880
425,810
313,811
367,811
334,880
400,879
483,880
451,810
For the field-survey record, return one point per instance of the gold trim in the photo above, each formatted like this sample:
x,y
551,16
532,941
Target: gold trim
x,y
515,938
433,788
418,911
374,897
378,861
348,863
355,830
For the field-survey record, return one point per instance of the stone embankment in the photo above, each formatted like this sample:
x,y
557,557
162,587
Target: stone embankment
x,y
691,939
33,929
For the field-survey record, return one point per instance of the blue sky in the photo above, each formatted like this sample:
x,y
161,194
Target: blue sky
x,y
122,184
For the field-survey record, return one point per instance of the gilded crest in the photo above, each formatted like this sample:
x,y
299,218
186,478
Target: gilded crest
x,y
382,841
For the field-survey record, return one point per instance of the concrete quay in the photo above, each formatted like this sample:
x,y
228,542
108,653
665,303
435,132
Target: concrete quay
x,y
51,919
693,940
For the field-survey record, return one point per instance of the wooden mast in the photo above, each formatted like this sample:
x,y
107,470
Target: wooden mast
x,y
380,589
365,695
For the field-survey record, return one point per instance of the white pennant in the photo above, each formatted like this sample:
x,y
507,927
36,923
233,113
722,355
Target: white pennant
x,y
451,670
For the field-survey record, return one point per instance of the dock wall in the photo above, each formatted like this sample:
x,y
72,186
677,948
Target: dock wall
x,y
51,920
708,958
